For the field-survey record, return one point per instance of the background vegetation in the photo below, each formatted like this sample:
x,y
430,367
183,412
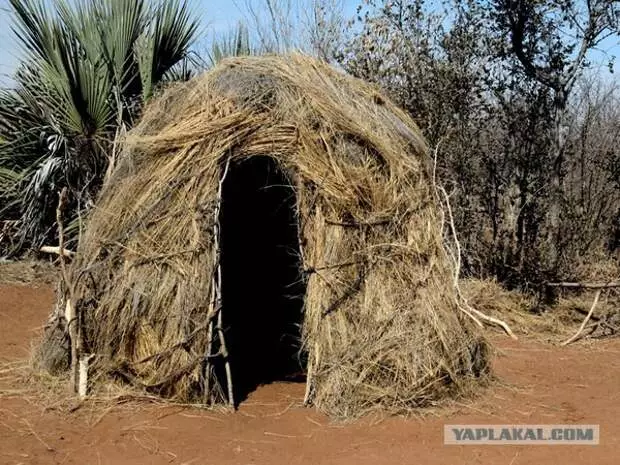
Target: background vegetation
x,y
88,69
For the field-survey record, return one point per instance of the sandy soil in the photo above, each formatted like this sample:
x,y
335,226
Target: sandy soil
x,y
536,384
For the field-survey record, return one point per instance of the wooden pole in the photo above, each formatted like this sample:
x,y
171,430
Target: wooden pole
x,y
224,350
83,376
206,394
56,250
70,311
71,324
216,304
609,285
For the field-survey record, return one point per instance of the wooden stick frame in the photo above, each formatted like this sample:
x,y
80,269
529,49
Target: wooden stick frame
x,y
216,307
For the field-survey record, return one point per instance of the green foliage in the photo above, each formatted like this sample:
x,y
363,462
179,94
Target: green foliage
x,y
165,42
88,68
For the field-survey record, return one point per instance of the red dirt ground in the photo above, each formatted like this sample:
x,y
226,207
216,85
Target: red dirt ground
x,y
539,384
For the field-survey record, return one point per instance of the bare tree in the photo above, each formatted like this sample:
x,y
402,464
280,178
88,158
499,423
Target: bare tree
x,y
506,135
315,27
551,40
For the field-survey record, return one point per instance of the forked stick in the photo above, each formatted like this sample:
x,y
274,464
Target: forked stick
x,y
577,335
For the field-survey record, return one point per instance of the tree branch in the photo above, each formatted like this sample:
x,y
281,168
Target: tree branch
x,y
518,17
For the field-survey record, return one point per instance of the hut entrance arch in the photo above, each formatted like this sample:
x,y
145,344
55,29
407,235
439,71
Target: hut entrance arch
x,y
262,286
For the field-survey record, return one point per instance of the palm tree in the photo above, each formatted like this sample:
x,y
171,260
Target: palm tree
x,y
88,69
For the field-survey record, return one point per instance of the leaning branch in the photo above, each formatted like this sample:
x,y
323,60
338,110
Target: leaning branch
x,y
577,335
216,303
475,315
517,19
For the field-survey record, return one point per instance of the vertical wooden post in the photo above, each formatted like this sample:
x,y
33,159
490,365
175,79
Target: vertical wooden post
x,y
300,232
216,303
83,376
70,311
206,383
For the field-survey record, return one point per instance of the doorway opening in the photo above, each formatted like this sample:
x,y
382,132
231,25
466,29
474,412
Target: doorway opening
x,y
262,284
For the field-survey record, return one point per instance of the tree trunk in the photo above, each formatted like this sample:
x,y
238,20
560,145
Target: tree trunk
x,y
554,251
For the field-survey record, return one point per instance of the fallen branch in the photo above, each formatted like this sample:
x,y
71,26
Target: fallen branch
x,y
494,321
609,285
57,251
585,321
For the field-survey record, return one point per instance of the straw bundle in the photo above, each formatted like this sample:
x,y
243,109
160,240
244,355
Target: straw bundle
x,y
381,326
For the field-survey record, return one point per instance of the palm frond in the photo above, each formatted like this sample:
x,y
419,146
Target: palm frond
x,y
89,66
119,27
165,42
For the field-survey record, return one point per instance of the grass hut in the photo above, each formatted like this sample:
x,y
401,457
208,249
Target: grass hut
x,y
270,219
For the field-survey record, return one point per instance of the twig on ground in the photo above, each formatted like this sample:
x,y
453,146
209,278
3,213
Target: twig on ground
x,y
34,433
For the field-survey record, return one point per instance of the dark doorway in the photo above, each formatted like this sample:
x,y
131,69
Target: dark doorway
x,y
262,286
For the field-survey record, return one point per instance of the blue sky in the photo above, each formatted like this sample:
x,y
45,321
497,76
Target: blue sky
x,y
217,17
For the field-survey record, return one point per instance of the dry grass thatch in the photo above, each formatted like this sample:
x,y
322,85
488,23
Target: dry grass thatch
x,y
381,324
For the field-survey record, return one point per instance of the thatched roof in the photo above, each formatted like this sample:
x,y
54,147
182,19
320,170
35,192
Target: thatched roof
x,y
381,326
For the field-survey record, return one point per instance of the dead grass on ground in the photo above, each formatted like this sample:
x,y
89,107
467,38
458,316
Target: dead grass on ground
x,y
528,317
28,272
25,381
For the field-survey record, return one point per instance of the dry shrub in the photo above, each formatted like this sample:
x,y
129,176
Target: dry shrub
x,y
381,325
53,353
514,307
525,316
26,381
600,270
